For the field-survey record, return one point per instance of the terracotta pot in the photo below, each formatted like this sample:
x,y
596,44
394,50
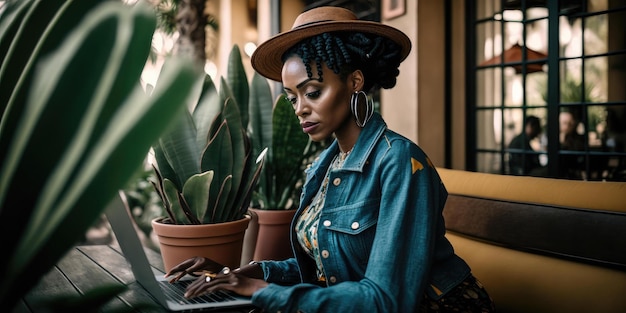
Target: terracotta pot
x,y
273,241
249,239
220,242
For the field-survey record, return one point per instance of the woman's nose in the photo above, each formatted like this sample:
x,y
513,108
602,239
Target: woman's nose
x,y
299,107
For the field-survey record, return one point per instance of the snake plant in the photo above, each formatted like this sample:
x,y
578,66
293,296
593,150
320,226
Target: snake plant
x,y
75,126
205,166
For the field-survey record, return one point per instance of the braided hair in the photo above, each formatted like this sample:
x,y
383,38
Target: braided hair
x,y
344,52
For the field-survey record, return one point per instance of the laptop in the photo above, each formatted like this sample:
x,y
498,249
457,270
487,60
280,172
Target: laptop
x,y
168,294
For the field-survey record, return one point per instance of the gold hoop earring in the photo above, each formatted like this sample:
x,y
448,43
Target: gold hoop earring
x,y
362,112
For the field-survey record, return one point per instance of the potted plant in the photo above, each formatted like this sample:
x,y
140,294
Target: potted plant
x,y
75,125
274,125
206,170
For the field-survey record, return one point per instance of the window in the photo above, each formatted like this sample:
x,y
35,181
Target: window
x,y
558,64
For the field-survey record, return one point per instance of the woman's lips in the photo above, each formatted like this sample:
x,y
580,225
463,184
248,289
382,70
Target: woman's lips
x,y
308,127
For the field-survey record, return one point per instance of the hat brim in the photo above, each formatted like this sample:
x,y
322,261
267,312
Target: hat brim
x,y
267,58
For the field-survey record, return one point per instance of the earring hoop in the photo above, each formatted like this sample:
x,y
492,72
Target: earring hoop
x,y
362,112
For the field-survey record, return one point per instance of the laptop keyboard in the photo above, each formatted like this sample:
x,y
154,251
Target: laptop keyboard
x,y
176,291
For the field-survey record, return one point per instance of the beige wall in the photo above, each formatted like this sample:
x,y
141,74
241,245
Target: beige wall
x,y
399,105
415,108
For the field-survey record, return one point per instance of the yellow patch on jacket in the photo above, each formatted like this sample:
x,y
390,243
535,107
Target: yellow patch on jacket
x,y
416,166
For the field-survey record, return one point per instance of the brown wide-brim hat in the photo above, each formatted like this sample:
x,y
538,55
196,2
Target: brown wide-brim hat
x,y
267,58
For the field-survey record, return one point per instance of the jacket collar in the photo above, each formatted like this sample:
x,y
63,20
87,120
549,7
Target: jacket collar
x,y
363,147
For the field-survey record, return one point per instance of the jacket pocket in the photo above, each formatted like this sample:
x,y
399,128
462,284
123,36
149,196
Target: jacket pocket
x,y
352,219
352,229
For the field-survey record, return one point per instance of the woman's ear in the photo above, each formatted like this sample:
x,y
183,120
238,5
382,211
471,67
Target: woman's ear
x,y
357,80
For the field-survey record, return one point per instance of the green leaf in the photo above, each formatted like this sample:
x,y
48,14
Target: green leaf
x,y
238,140
238,83
206,110
261,106
218,157
222,212
225,94
43,25
255,168
171,193
260,127
196,193
178,146
10,23
80,135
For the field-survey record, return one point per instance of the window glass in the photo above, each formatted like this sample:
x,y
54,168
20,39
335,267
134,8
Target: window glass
x,y
485,93
609,128
536,89
581,113
488,162
490,34
526,142
487,8
489,129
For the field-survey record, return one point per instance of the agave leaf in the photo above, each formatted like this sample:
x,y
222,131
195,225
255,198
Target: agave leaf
x,y
247,171
260,127
42,27
11,36
238,83
221,212
184,206
158,186
161,163
10,23
171,194
26,29
218,157
54,99
261,107
206,110
238,138
103,102
178,147
196,193
225,93
289,144
51,102
254,174
78,188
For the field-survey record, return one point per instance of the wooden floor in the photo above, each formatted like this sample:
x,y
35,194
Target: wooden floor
x,y
88,267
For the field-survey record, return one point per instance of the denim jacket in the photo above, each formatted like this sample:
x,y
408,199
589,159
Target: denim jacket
x,y
381,233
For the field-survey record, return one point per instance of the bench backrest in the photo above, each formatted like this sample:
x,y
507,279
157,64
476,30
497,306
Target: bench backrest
x,y
538,244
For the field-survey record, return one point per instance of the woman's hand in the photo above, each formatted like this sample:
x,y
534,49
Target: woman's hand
x,y
226,279
195,264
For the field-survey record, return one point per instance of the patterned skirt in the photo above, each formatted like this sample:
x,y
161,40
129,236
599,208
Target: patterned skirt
x,y
468,297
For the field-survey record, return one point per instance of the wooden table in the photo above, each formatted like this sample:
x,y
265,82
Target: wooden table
x,y
88,267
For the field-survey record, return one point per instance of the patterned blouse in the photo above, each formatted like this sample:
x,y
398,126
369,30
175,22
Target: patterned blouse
x,y
306,226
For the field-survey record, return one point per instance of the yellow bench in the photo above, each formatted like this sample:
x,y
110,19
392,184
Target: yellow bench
x,y
539,244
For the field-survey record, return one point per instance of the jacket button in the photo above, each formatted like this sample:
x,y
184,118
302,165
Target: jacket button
x,y
333,279
355,225
327,223
325,254
337,181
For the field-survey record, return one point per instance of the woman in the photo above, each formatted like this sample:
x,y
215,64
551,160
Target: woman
x,y
369,233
